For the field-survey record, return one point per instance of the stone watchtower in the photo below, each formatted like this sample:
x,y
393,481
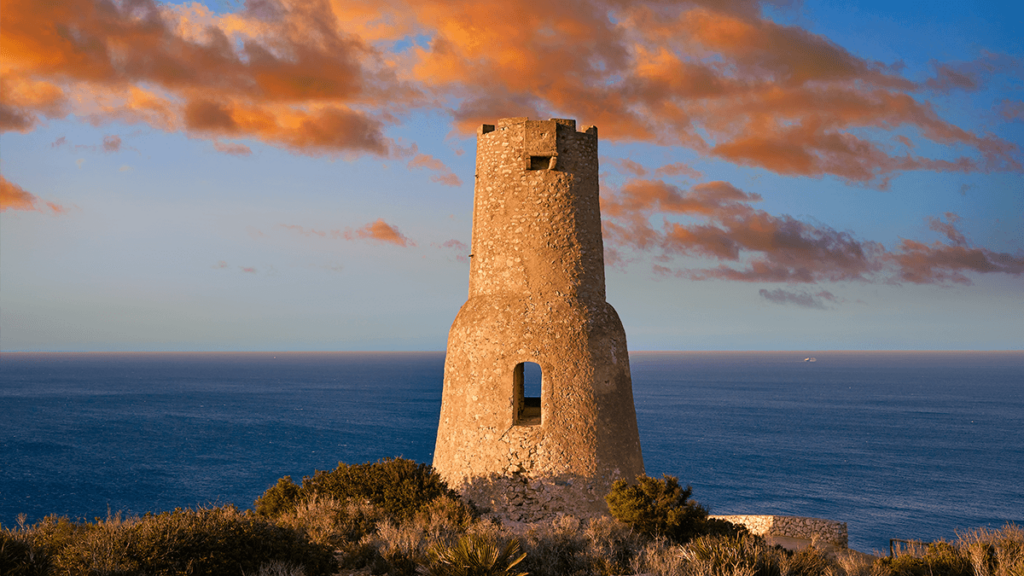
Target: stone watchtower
x,y
537,295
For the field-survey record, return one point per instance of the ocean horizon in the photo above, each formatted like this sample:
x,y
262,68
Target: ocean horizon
x,y
915,445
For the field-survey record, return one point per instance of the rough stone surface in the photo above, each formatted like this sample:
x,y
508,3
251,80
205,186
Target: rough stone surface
x,y
828,531
537,294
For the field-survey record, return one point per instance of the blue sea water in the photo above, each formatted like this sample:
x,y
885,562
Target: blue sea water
x,y
899,445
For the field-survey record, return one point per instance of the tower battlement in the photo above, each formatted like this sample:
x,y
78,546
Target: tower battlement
x,y
537,297
536,218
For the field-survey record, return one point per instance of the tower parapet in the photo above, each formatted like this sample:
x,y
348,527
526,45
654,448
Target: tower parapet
x,y
537,295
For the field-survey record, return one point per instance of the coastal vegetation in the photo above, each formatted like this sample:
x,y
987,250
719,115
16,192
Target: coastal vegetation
x,y
397,517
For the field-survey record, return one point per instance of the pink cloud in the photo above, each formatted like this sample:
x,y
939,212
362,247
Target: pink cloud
x,y
802,299
232,148
111,143
462,251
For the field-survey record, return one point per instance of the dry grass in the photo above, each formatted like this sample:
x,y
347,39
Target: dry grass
x,y
364,538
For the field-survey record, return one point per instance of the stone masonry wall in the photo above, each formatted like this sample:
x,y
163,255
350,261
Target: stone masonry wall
x,y
537,294
792,527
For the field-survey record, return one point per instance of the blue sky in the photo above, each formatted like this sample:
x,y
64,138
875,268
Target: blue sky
x,y
808,176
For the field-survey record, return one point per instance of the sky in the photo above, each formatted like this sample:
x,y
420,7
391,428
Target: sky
x,y
275,175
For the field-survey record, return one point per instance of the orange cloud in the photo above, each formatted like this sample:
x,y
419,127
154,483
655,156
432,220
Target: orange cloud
x,y
678,169
327,77
444,174
380,231
14,197
291,82
921,263
715,221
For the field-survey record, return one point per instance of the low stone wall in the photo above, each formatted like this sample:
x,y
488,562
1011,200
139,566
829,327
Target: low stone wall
x,y
793,527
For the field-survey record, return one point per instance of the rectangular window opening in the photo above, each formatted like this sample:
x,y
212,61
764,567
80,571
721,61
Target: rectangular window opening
x,y
540,162
527,383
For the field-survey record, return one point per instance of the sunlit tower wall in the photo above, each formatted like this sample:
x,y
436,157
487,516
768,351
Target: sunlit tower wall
x,y
537,295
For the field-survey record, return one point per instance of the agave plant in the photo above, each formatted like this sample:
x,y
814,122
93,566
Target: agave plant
x,y
474,555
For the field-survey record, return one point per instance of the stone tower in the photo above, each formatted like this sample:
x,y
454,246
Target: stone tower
x,y
537,295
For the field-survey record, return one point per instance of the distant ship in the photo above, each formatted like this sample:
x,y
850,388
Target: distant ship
x,y
810,359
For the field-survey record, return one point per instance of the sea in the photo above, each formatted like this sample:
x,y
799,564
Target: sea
x,y
910,445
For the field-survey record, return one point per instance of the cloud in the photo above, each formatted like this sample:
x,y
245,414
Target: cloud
x,y
325,77
111,143
678,169
456,244
460,248
444,174
970,76
312,232
380,231
938,262
232,148
802,299
14,197
948,228
1012,109
627,166
291,81
716,221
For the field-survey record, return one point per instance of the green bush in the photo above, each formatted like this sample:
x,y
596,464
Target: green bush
x,y
398,487
279,498
660,508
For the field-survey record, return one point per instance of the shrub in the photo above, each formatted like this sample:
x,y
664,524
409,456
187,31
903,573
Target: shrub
x,y
556,548
398,487
474,555
658,508
995,552
18,557
203,541
612,546
810,561
278,499
723,555
938,558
